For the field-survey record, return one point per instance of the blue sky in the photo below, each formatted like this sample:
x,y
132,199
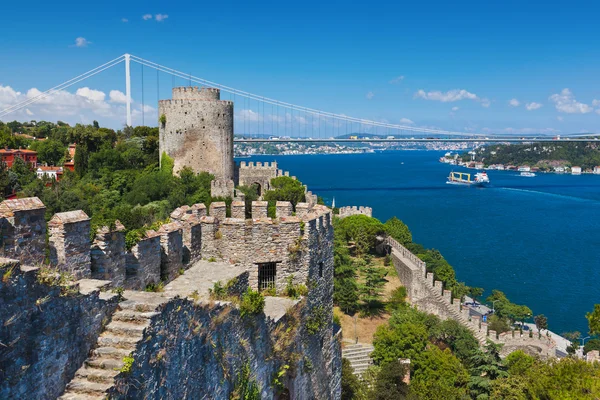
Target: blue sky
x,y
461,63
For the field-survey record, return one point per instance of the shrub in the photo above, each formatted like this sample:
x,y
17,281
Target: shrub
x,y
218,291
253,302
127,363
155,287
316,320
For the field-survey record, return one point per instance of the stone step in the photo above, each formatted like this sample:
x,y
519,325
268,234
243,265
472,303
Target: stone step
x,y
82,396
81,385
111,352
105,363
351,357
362,352
142,301
96,374
353,346
133,316
109,339
126,328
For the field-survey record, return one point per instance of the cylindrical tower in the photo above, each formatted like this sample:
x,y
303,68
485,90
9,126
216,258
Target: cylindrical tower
x,y
196,130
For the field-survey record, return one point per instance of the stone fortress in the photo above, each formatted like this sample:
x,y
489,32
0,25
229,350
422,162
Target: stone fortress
x,y
85,328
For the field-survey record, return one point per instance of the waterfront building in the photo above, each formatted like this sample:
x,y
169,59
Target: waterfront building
x,y
576,170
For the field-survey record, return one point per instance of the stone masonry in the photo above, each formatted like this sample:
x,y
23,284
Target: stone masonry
x,y
108,254
70,243
198,131
23,230
143,262
354,210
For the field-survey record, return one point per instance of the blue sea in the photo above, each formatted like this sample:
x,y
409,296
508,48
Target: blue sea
x,y
536,239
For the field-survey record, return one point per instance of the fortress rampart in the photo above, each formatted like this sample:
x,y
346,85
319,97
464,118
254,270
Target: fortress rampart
x,y
53,324
429,295
354,210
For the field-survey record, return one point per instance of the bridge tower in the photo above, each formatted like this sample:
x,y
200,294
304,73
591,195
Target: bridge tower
x,y
196,130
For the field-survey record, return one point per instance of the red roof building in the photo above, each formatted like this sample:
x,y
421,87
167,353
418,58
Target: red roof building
x,y
8,156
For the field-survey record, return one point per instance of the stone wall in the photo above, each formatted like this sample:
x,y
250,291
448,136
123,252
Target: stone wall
x,y
46,334
171,242
198,131
143,262
354,210
198,351
23,230
261,174
222,188
108,254
70,243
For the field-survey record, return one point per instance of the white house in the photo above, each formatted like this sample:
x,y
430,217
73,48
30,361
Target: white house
x,y
576,170
525,168
49,172
597,170
559,169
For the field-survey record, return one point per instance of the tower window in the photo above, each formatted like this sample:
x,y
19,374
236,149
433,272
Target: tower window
x,y
266,275
321,269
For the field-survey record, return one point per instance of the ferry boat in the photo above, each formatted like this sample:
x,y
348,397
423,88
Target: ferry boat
x,y
463,178
528,174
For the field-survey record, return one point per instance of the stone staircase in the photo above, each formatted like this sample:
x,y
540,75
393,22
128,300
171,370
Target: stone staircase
x,y
462,318
118,340
359,356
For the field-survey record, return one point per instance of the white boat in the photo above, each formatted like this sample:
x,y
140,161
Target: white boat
x,y
528,174
463,178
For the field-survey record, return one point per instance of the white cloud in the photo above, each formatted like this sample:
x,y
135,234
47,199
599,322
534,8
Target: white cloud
x,y
161,17
485,103
455,108
514,102
406,121
596,103
397,80
81,42
533,106
370,95
91,94
124,20
116,96
565,102
445,97
83,106
146,17
561,119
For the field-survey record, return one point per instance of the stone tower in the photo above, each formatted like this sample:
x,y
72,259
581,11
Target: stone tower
x,y
196,130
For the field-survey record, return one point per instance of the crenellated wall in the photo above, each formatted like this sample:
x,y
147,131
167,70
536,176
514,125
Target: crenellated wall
x,y
70,243
354,210
108,254
143,262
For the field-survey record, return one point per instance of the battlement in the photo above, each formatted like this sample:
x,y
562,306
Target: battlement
x,y
222,188
167,102
354,210
266,165
195,93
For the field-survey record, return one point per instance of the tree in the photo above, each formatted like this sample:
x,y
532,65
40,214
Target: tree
x,y
574,338
541,322
592,344
476,292
345,294
50,151
389,383
284,188
361,230
405,340
372,288
351,386
486,366
398,230
438,375
594,320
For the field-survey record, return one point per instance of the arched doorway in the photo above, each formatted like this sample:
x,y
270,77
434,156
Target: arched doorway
x,y
258,188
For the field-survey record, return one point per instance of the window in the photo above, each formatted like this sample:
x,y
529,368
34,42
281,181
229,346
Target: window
x,y
266,275
321,269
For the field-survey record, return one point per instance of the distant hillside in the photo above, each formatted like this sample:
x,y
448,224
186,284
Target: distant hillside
x,y
542,155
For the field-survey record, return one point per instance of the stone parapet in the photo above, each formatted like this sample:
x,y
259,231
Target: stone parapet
x,y
70,243
354,210
218,210
238,209
23,227
222,188
143,262
108,254
171,242
302,210
259,209
283,209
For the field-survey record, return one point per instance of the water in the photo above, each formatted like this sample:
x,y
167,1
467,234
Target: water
x,y
536,239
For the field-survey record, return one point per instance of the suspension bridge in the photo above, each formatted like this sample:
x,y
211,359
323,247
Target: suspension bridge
x,y
263,119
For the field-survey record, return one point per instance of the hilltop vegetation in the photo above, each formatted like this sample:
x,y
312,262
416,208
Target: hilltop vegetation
x,y
446,361
542,155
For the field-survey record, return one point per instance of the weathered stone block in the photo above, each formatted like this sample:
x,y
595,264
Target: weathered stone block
x,y
171,242
283,209
23,226
218,210
238,209
259,209
70,243
108,254
143,262
302,210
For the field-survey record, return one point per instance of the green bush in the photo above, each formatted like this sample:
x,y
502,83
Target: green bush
x,y
218,291
253,302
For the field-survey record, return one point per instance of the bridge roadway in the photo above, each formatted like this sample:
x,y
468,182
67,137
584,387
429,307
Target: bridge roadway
x,y
415,140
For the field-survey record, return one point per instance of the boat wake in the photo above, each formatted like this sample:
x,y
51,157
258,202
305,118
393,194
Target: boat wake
x,y
556,195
